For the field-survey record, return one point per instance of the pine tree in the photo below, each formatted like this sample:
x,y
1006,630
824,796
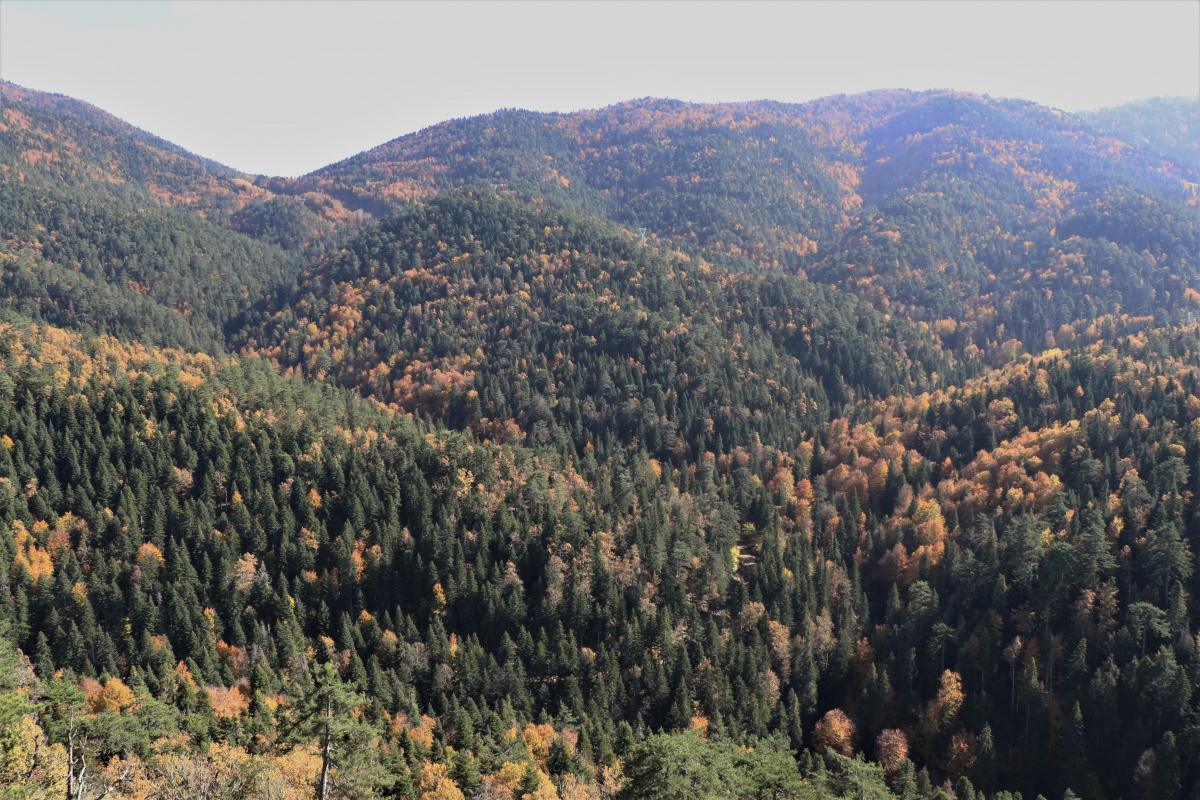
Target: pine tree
x,y
350,757
984,770
1075,753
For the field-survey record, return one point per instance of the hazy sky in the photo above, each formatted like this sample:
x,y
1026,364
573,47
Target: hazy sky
x,y
286,87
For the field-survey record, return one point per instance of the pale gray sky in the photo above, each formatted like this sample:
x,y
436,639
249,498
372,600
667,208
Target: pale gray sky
x,y
286,87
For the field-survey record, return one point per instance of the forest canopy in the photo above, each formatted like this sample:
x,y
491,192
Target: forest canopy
x,y
841,450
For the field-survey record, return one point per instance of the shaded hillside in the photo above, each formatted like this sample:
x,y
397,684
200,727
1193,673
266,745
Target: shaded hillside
x,y
116,264
108,229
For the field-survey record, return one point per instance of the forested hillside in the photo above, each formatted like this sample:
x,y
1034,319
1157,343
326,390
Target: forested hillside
x,y
110,230
60,141
997,219
116,264
871,471
1170,125
490,311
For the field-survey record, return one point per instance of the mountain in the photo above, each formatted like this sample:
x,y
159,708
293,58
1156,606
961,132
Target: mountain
x,y
923,201
723,176
66,142
871,469
1008,219
119,264
765,172
991,220
562,321
109,229
76,142
1169,125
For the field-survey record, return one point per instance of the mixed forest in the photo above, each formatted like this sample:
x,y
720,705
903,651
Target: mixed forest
x,y
839,450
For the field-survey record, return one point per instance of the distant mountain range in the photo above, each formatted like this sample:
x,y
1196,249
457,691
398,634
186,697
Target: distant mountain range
x,y
879,194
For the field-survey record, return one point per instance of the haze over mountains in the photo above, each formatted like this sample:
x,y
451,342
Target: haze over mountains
x,y
1168,125
862,426
845,188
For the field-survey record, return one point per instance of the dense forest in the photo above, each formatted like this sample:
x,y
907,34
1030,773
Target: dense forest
x,y
868,468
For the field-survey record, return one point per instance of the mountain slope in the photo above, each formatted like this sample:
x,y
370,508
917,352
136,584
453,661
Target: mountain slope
x,y
621,159
76,142
121,265
481,309
68,142
1169,125
1008,214
108,229
728,176
522,487
914,199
